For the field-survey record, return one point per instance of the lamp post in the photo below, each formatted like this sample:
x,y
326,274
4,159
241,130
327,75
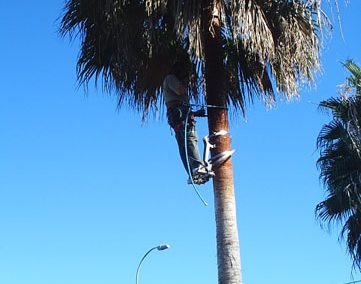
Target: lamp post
x,y
160,247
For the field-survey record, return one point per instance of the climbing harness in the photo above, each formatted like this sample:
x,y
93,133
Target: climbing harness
x,y
208,162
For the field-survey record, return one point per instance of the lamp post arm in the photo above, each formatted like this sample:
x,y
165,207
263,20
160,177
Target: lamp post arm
x,y
140,263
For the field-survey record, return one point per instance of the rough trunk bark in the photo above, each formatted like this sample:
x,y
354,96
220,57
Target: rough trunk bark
x,y
228,255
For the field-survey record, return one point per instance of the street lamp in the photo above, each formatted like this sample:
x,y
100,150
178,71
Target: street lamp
x,y
160,247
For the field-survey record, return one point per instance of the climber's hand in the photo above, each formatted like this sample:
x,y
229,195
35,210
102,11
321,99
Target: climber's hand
x,y
200,113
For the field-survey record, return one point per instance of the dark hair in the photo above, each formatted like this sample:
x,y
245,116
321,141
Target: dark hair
x,y
179,69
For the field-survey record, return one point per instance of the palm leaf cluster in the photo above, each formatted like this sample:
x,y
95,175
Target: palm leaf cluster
x,y
130,45
340,162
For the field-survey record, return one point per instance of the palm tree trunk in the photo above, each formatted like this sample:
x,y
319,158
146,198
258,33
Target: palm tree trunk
x,y
228,256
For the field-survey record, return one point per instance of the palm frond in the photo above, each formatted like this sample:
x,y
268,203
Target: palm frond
x,y
352,232
129,48
130,45
330,134
336,208
355,79
339,108
339,143
246,77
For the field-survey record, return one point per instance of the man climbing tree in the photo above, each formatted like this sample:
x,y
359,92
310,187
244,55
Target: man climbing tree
x,y
241,49
181,119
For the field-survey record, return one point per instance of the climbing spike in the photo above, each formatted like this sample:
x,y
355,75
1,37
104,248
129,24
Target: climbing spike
x,y
221,157
218,133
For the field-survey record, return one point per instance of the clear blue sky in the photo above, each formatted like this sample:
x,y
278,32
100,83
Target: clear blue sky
x,y
86,190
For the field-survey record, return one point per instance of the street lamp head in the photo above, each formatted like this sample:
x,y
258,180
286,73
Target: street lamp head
x,y
163,247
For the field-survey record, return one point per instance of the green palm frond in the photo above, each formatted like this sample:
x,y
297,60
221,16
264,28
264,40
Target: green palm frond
x,y
339,108
355,79
352,232
336,208
330,134
339,143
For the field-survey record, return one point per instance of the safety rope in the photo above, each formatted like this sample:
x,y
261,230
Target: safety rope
x,y
186,154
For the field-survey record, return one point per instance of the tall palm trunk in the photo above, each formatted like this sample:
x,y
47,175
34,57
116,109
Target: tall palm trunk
x,y
228,256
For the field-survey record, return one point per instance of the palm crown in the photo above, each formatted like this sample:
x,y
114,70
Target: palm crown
x,y
340,162
132,44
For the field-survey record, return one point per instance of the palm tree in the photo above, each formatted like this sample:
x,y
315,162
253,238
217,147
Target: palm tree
x,y
238,50
340,162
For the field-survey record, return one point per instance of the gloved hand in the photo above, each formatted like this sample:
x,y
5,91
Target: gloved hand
x,y
200,113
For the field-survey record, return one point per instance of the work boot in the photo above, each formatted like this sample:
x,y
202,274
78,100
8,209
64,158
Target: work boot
x,y
201,175
202,171
199,170
199,180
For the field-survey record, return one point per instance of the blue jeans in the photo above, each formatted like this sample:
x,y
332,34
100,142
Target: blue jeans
x,y
176,119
